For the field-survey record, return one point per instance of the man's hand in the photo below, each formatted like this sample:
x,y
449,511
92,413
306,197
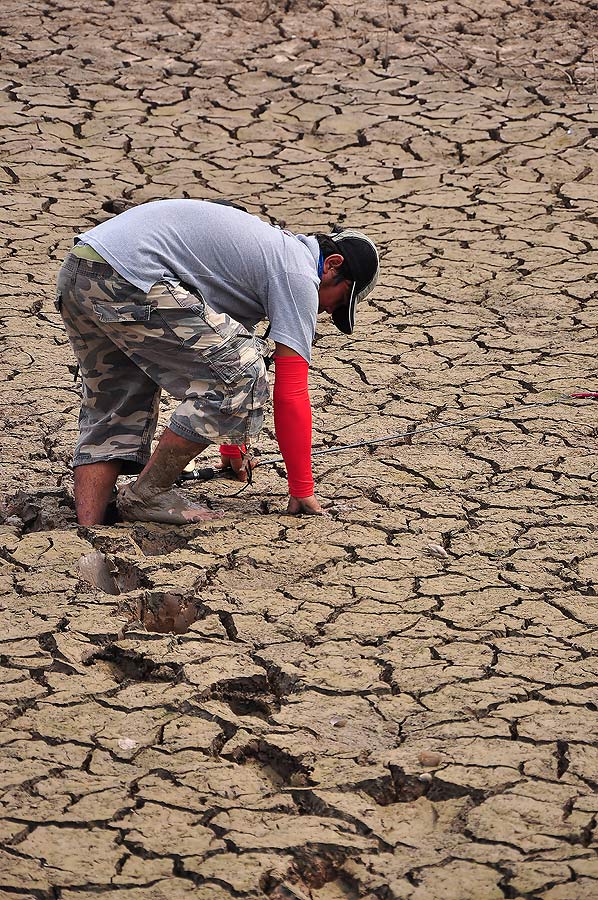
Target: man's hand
x,y
238,465
309,506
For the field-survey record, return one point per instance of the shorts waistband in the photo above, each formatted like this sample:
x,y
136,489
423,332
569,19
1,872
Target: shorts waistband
x,y
72,262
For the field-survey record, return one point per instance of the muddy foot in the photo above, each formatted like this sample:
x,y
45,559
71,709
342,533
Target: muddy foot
x,y
169,507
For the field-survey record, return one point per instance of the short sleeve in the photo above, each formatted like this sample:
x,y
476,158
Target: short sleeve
x,y
292,308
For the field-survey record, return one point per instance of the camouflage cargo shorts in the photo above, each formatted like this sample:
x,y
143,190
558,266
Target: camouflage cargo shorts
x,y
130,344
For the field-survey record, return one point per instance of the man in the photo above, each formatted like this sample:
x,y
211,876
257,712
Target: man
x,y
167,295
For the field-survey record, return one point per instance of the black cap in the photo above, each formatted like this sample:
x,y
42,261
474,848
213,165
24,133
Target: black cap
x,y
362,262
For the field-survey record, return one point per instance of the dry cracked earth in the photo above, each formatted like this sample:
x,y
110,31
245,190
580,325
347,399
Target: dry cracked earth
x,y
399,702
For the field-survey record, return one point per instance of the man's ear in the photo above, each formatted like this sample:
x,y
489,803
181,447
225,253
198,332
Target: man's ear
x,y
334,261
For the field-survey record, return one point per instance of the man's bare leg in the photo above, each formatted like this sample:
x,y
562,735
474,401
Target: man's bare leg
x,y
94,484
151,498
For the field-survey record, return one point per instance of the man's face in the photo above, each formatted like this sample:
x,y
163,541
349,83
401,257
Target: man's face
x,y
333,293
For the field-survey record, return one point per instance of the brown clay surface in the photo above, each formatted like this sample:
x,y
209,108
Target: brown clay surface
x,y
398,703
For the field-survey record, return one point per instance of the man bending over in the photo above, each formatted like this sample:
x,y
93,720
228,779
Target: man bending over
x,y
167,295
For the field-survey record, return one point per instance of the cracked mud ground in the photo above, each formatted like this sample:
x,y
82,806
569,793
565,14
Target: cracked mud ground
x,y
398,703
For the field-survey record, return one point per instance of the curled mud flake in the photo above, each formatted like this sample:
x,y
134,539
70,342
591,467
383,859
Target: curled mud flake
x,y
338,721
94,568
429,758
117,206
13,521
126,743
88,656
438,551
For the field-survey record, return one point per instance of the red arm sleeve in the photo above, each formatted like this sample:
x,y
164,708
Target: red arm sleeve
x,y
292,421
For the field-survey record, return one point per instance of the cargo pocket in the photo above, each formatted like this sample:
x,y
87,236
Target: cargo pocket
x,y
222,324
121,312
230,360
191,299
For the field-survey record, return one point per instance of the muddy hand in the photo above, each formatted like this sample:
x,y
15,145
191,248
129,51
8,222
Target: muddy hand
x,y
237,465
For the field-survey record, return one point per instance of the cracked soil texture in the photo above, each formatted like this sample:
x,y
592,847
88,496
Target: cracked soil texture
x,y
398,703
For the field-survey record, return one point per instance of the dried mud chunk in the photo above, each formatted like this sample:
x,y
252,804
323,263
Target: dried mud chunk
x,y
252,830
159,542
362,773
330,666
461,880
80,721
147,827
16,687
308,716
191,733
429,758
118,205
17,872
415,823
142,724
536,720
228,668
59,550
74,856
27,658
167,889
138,871
242,872
530,876
201,781
533,824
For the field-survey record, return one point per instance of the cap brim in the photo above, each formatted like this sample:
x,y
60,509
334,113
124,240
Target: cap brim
x,y
344,316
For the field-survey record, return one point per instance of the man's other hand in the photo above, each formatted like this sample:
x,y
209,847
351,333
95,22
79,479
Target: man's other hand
x,y
238,465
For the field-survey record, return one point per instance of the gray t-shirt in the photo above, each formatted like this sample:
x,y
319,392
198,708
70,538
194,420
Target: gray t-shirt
x,y
240,265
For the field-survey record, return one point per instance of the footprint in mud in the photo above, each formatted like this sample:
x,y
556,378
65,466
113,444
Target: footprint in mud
x,y
112,575
165,612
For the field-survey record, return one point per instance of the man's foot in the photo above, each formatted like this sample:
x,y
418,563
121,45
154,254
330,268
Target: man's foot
x,y
308,506
168,506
